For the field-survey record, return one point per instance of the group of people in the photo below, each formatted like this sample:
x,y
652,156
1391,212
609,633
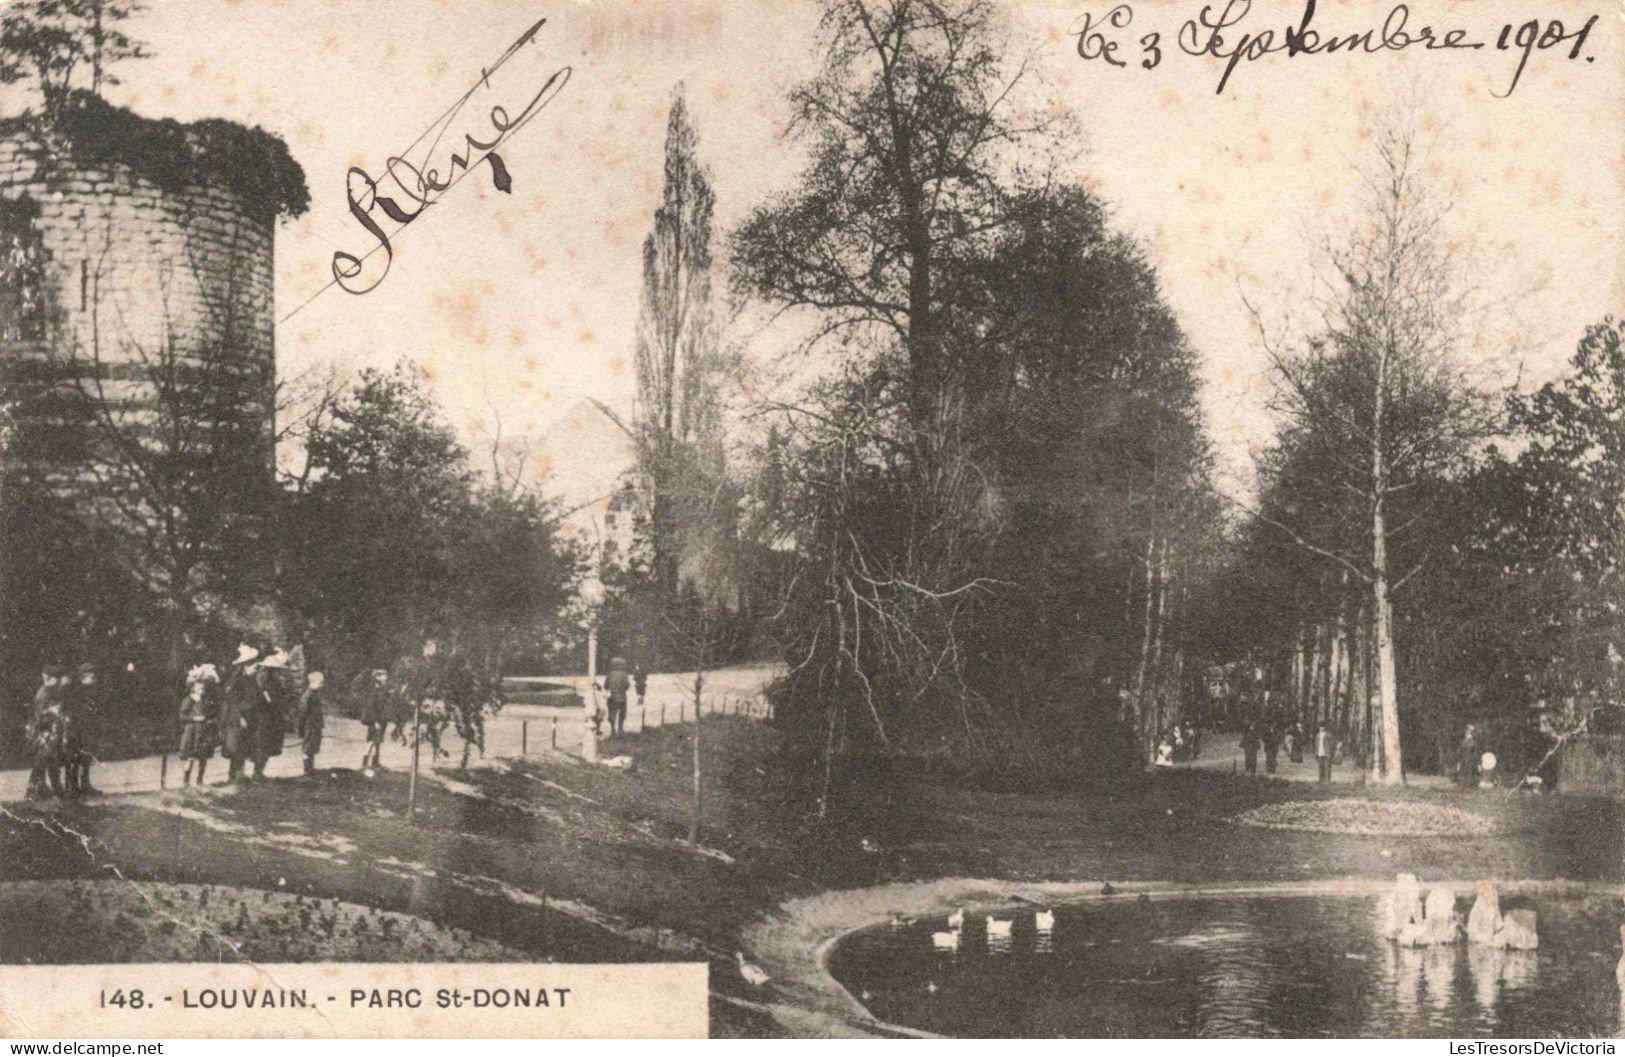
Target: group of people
x,y
1177,743
244,710
63,710
1271,734
246,714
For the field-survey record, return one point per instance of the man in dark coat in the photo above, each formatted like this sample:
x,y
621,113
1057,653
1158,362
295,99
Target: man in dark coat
x,y
616,685
1249,746
281,700
1272,744
1323,753
86,705
377,712
239,713
311,720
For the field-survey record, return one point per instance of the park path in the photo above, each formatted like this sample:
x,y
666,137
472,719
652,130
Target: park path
x,y
1222,752
516,730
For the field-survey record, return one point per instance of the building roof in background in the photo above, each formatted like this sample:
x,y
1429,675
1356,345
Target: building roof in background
x,y
581,458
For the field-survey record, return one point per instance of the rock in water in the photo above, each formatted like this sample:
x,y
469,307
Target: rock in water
x,y
1518,931
1441,917
1401,907
1414,934
1484,921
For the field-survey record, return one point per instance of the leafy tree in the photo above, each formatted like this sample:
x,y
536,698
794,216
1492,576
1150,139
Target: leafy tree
x,y
906,125
54,42
371,563
394,538
678,426
1572,505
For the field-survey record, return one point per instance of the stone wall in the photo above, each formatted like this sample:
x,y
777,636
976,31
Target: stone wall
x,y
142,280
142,276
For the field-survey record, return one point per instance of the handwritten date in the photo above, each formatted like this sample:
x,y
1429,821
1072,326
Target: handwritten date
x,y
1218,32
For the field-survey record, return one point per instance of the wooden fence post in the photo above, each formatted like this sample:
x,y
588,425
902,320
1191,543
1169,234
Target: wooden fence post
x,y
555,732
524,736
163,769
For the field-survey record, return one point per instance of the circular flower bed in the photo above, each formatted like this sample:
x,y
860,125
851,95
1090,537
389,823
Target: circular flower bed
x,y
69,922
1391,818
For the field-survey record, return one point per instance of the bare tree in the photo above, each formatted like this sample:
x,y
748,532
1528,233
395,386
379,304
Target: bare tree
x,y
170,414
1378,404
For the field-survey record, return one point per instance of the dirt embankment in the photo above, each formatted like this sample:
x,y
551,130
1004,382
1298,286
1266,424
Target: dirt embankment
x,y
562,860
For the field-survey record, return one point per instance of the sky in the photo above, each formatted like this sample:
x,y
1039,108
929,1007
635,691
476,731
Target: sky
x,y
518,304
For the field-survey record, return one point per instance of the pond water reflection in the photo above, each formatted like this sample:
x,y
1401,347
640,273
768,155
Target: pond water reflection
x,y
1238,967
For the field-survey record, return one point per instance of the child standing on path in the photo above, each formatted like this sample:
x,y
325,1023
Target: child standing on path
x,y
199,716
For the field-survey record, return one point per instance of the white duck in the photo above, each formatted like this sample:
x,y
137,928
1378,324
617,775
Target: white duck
x,y
998,926
1044,920
956,920
753,974
945,941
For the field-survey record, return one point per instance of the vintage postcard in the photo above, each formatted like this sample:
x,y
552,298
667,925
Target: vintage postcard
x,y
763,518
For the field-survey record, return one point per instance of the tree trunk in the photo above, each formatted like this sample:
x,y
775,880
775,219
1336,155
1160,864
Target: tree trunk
x,y
1137,694
1382,614
1158,683
1392,771
1338,707
1359,687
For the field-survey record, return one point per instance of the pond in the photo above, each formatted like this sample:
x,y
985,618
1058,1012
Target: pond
x,y
1253,966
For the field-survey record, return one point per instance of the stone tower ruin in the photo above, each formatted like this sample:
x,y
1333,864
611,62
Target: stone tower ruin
x,y
137,353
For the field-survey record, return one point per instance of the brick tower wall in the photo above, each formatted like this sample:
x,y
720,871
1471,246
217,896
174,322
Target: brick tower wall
x,y
131,266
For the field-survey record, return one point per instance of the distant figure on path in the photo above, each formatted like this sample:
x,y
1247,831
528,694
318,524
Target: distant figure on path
x,y
85,703
376,712
1272,745
311,719
1467,766
1296,739
640,682
1249,746
1323,753
616,684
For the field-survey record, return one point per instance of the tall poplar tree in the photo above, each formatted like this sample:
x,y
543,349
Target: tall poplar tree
x,y
678,413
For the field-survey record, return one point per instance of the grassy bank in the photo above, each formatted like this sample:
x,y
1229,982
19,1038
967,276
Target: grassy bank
x,y
569,861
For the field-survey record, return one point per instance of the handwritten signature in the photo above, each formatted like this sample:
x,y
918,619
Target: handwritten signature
x,y
421,174
1214,33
